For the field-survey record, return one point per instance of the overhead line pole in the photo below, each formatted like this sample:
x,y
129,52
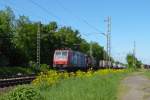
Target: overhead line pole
x,y
91,50
108,36
38,45
134,53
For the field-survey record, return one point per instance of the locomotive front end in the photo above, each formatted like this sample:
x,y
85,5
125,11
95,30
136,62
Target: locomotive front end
x,y
60,59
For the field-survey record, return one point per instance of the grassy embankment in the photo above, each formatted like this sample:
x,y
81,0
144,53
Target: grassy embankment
x,y
99,85
94,88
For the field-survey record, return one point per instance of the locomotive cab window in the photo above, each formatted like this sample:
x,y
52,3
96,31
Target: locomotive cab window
x,y
64,54
58,53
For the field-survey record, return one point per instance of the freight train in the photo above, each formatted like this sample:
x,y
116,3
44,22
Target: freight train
x,y
103,64
146,66
72,60
67,59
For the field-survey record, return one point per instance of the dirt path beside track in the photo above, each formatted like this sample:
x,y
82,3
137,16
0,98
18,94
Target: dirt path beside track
x,y
135,87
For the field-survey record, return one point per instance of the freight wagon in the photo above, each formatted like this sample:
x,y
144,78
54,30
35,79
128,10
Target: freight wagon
x,y
107,64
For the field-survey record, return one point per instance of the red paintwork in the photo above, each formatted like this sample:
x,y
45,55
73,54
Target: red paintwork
x,y
60,62
64,61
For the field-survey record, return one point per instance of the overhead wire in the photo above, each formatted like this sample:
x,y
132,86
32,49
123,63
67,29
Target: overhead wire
x,y
79,18
50,13
45,10
98,32
18,10
9,5
53,15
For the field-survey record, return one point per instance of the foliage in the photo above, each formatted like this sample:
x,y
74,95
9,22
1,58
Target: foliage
x,y
75,86
51,77
18,40
98,50
85,86
133,62
15,70
6,19
44,68
9,54
24,93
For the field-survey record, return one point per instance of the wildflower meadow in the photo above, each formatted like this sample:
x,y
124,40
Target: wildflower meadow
x,y
90,85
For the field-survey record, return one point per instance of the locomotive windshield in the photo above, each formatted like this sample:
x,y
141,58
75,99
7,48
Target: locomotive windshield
x,y
58,54
64,54
61,54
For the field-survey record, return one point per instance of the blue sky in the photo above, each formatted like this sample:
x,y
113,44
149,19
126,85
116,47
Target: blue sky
x,y
130,20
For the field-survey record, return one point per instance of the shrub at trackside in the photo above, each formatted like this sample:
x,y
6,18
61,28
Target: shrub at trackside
x,y
25,92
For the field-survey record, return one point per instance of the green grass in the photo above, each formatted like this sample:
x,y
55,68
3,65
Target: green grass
x,y
94,88
147,73
15,70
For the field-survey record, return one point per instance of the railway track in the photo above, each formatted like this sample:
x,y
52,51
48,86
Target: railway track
x,y
6,82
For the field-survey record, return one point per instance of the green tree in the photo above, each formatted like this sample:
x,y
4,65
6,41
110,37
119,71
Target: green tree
x,y
25,37
133,62
6,33
18,39
48,42
98,52
66,37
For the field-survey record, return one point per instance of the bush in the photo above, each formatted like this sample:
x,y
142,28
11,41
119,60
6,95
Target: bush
x,y
44,68
47,79
24,93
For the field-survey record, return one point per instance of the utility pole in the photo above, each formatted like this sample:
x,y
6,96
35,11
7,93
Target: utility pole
x,y
38,46
104,55
134,49
134,54
91,51
108,35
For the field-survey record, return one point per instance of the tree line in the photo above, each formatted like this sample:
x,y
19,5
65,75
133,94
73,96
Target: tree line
x,y
133,62
18,40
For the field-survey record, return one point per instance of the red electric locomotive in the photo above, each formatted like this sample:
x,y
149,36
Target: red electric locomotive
x,y
69,59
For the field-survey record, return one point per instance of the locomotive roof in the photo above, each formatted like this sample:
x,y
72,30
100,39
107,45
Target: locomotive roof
x,y
70,50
